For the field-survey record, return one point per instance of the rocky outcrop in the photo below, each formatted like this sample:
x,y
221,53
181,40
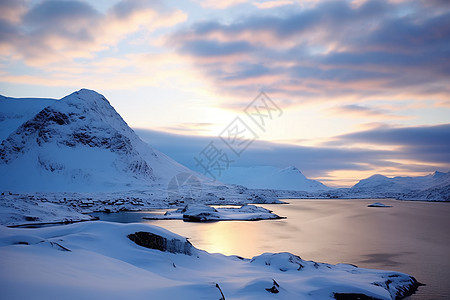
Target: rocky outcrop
x,y
199,213
157,242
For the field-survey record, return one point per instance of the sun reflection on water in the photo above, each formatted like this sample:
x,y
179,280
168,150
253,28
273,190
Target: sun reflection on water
x,y
229,238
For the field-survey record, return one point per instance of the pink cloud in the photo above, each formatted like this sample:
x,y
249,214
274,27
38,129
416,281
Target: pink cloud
x,y
361,111
58,32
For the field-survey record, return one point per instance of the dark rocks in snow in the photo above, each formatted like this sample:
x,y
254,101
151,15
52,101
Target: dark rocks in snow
x,y
59,247
408,289
274,288
157,242
202,217
21,243
199,213
352,296
221,293
401,290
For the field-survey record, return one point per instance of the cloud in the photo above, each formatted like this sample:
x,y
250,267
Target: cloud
x,y
328,51
360,111
189,127
12,10
411,136
214,4
412,151
444,103
128,72
213,48
272,4
62,31
425,143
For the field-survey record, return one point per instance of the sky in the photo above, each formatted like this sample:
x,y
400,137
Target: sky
x,y
350,88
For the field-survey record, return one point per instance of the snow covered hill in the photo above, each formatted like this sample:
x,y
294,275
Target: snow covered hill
x,y
78,143
267,177
401,184
437,189
434,186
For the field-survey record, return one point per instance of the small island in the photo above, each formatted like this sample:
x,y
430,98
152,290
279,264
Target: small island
x,y
378,204
204,213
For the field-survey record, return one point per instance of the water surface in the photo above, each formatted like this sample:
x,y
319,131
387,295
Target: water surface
x,y
410,237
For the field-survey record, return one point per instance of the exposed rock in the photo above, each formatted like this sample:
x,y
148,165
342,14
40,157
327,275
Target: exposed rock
x,y
274,288
352,296
407,290
59,247
221,293
154,241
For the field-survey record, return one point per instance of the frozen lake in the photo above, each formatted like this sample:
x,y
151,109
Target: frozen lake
x,y
410,237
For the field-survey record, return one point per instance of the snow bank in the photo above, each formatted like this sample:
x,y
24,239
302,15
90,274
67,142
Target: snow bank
x,y
99,260
17,210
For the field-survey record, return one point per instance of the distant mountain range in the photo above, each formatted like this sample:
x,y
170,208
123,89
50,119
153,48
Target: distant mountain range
x,y
435,186
401,184
268,177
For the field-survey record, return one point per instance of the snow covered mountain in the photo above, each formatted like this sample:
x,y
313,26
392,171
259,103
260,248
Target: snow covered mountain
x,y
401,184
267,177
77,143
435,186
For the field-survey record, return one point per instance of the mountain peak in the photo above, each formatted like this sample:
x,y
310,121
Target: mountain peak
x,y
377,176
88,92
85,96
79,143
291,169
438,174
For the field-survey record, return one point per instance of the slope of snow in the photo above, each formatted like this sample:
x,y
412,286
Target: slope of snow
x,y
430,194
79,143
14,112
267,177
100,260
